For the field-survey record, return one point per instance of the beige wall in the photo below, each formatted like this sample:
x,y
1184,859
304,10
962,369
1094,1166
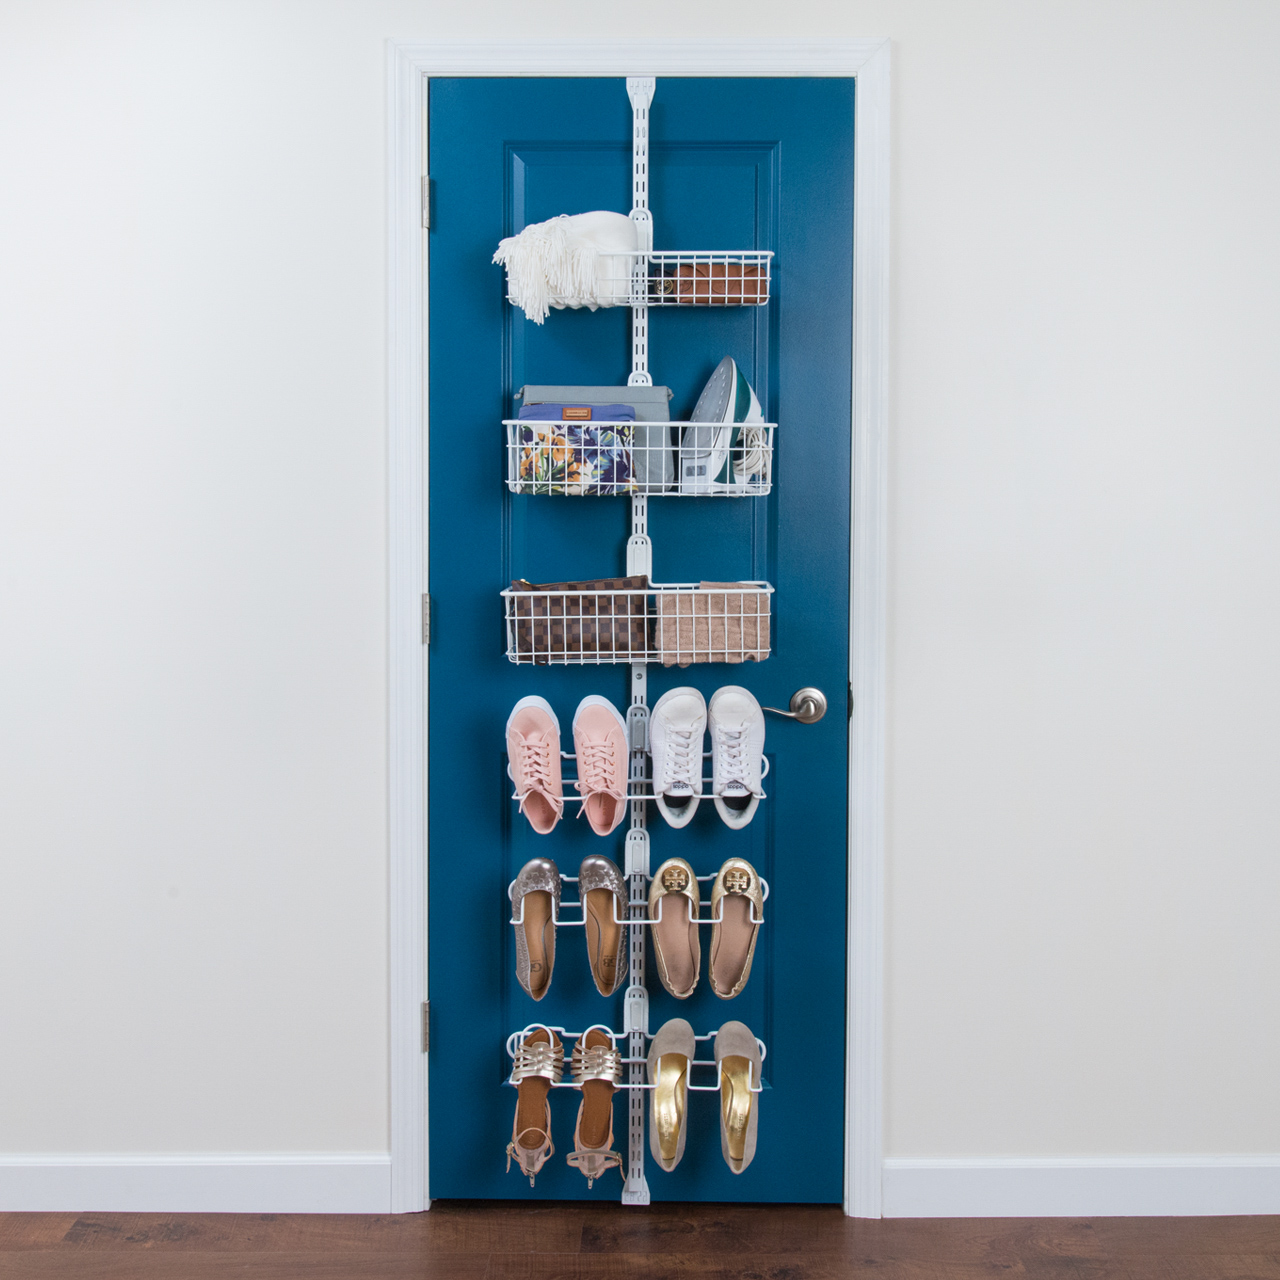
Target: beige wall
x,y
1085,604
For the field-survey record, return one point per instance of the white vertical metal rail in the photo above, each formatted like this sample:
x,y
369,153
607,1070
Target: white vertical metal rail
x,y
635,1189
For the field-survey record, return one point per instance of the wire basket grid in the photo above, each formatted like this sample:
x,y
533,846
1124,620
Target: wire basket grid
x,y
677,278
598,458
672,624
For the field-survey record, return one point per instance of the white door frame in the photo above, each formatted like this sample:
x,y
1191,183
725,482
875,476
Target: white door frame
x,y
409,66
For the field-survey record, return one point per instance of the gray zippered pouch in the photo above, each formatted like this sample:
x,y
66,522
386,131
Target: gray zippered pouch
x,y
653,462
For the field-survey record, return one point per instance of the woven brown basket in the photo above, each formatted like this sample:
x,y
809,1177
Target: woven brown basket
x,y
717,284
614,621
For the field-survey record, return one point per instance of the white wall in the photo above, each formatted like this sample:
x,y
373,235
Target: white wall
x,y
1085,597
1085,816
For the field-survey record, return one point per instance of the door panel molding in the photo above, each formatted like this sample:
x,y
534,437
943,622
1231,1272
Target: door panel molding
x,y
409,66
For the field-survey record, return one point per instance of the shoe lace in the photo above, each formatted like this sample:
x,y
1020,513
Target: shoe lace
x,y
597,769
731,753
678,760
535,767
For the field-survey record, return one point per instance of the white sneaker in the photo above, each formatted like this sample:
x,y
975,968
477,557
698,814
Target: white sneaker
x,y
737,753
676,725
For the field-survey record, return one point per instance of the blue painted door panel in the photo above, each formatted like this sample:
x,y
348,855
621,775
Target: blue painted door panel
x,y
735,164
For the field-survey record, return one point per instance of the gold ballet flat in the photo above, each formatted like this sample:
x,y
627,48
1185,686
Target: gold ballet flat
x,y
673,906
737,907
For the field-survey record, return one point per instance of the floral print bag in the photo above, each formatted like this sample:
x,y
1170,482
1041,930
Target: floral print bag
x,y
576,449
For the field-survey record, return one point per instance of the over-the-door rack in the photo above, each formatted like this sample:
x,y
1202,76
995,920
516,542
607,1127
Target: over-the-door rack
x,y
673,623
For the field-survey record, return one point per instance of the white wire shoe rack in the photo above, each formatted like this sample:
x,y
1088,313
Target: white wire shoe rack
x,y
674,623
517,917
638,789
599,458
631,1060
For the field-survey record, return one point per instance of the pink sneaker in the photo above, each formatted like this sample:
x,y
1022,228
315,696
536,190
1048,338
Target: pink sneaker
x,y
533,754
600,741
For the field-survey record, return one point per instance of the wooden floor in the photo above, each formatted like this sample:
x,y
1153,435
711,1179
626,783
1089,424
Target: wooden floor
x,y
487,1241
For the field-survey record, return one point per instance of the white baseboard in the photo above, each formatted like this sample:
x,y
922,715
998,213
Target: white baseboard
x,y
360,1182
1156,1186
233,1182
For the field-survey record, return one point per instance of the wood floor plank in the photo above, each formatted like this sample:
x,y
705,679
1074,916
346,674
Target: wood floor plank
x,y
1199,1266
1115,1268
452,1229
33,1230
713,1229
1142,1237
144,1265
742,1266
212,1232
462,1226
246,1232
939,1240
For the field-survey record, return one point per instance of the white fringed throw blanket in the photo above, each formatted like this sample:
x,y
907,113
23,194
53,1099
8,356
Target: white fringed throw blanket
x,y
566,262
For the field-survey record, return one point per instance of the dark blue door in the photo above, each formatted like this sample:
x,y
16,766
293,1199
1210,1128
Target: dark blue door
x,y
735,164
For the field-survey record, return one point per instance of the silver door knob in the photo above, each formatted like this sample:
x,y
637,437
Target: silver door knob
x,y
807,705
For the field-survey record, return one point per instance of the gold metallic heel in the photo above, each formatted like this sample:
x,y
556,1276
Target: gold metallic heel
x,y
669,1058
670,1094
735,1102
738,1056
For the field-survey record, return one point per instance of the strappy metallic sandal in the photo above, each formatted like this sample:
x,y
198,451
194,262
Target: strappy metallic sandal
x,y
596,1068
539,1064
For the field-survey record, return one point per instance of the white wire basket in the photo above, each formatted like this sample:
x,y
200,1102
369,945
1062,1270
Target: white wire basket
x,y
694,278
604,458
708,279
674,624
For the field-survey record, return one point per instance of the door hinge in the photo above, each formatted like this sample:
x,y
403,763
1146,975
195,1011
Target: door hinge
x,y
850,699
426,203
426,618
426,1025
